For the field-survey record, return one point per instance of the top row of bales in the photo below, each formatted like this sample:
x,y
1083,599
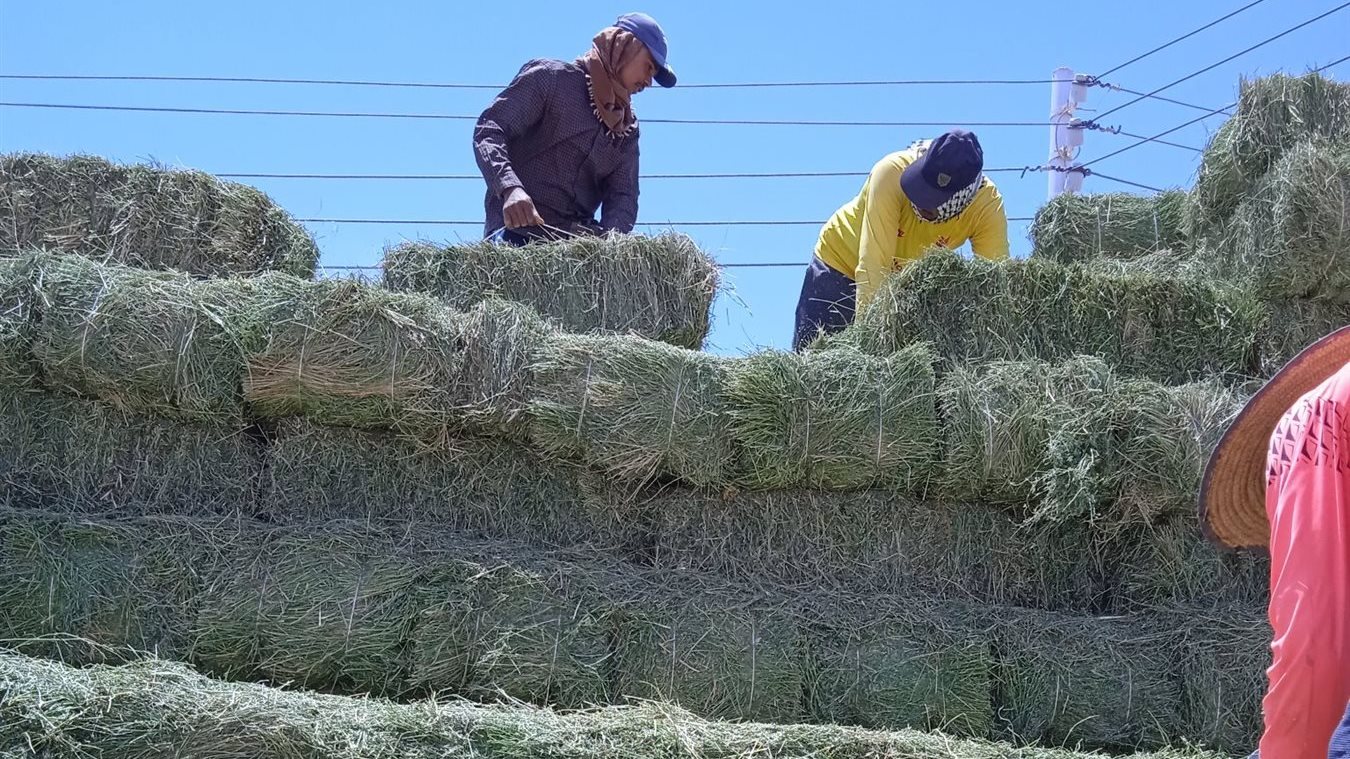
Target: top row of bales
x,y
191,222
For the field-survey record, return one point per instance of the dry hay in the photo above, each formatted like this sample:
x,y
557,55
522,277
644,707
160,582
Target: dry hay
x,y
1293,325
17,320
147,216
974,311
834,419
72,454
1225,654
656,287
1080,228
1171,563
1274,114
159,342
632,408
138,711
1290,238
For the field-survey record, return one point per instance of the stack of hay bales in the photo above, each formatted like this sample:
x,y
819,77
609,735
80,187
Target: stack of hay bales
x,y
509,475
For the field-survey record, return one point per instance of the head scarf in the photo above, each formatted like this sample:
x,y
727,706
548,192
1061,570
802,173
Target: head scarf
x,y
957,203
611,50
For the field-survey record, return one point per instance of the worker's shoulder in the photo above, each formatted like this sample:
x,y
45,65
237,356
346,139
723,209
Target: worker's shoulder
x,y
897,160
549,67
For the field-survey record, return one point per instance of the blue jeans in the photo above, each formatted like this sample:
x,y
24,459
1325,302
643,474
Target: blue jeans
x,y
826,304
1340,740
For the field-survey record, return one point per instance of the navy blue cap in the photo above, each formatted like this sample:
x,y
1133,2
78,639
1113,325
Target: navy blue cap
x,y
951,163
645,28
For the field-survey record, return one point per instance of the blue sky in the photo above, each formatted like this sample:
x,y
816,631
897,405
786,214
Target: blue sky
x,y
485,43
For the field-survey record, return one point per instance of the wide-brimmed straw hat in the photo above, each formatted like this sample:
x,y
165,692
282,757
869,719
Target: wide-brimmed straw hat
x,y
1233,493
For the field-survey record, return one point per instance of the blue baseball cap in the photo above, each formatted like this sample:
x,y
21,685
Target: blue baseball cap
x,y
951,163
645,28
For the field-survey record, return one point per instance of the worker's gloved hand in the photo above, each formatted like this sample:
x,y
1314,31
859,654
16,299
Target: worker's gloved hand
x,y
518,210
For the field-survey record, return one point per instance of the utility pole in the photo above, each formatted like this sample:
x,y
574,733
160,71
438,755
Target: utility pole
x,y
1066,93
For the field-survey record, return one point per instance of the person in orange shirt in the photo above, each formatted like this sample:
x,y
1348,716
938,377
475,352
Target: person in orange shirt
x,y
1280,479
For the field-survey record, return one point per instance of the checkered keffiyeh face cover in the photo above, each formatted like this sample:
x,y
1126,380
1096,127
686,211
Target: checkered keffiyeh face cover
x,y
957,203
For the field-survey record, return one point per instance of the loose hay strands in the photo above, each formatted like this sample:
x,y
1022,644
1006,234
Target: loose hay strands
x,y
835,419
1274,114
1293,325
1080,228
147,217
78,455
1290,238
154,341
138,712
1169,330
659,287
633,408
17,320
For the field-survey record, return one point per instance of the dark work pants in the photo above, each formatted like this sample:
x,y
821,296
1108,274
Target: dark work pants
x,y
826,304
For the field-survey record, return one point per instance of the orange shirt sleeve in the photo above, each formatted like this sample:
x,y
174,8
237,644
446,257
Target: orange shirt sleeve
x,y
1308,502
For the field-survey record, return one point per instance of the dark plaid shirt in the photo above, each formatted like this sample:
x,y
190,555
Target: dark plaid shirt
x,y
541,134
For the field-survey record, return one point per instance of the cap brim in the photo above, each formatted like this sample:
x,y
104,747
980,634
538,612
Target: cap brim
x,y
665,76
919,192
1233,492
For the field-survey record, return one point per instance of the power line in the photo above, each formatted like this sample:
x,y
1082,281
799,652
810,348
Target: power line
x,y
479,222
1155,137
455,86
1125,181
1160,98
442,116
1185,36
1238,54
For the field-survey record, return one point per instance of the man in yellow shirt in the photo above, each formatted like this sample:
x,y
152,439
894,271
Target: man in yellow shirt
x,y
934,194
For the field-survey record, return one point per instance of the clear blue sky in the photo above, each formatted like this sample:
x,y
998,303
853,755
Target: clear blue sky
x,y
710,42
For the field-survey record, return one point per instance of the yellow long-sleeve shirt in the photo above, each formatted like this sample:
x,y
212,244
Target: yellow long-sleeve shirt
x,y
878,231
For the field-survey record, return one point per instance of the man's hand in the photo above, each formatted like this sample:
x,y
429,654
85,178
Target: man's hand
x,y
519,211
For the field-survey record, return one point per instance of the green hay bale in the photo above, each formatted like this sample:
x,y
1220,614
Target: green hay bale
x,y
1291,237
484,486
1274,114
1079,228
1293,325
1171,563
152,341
139,711
633,409
660,288
1105,683
148,217
975,311
86,591
322,607
70,454
17,320
497,630
1225,655
864,542
718,656
998,420
1137,456
834,419
923,672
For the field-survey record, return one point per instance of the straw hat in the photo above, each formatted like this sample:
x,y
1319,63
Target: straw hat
x,y
1233,493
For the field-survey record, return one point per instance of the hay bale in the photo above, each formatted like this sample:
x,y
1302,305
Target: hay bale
x,y
1137,456
94,591
1293,325
660,288
923,672
69,454
834,419
1290,238
633,409
147,216
1225,654
503,629
718,655
998,420
1274,114
1079,228
17,320
139,711
975,311
326,607
159,342
1107,683
1170,563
